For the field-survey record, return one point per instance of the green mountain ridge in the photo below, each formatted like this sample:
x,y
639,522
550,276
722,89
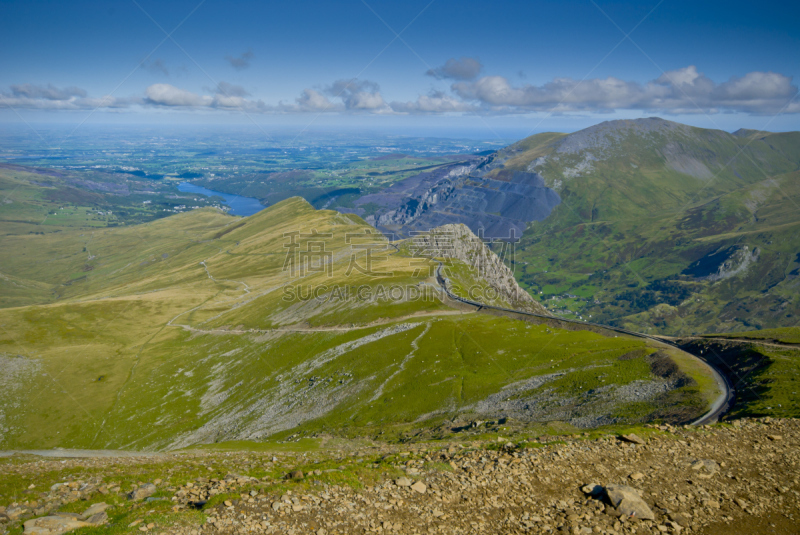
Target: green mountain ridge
x,y
663,227
193,329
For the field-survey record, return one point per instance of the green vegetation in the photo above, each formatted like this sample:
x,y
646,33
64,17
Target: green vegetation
x,y
763,367
785,335
192,329
665,228
773,386
41,201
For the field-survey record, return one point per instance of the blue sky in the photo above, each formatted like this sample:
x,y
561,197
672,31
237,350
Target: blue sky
x,y
499,65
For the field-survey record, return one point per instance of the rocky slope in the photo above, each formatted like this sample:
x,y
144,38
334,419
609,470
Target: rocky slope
x,y
498,207
458,242
714,480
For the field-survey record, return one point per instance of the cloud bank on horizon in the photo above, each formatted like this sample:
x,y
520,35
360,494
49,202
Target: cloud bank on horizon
x,y
680,91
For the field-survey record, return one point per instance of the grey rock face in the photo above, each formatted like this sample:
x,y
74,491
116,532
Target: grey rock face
x,y
724,263
458,242
460,194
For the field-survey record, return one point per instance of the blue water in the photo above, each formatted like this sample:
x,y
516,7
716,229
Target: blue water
x,y
239,205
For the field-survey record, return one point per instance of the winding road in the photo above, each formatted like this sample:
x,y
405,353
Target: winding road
x,y
718,407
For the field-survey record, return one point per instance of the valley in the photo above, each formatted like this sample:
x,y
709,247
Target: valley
x,y
399,268
230,344
439,318
648,224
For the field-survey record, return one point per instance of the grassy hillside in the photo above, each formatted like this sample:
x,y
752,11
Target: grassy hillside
x,y
193,329
763,367
665,227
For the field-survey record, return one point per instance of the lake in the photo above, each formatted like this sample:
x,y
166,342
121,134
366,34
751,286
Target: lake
x,y
238,205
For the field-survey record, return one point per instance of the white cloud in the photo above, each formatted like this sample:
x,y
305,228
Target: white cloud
x,y
436,102
171,96
358,95
680,91
48,92
464,68
231,90
348,96
227,97
313,101
50,97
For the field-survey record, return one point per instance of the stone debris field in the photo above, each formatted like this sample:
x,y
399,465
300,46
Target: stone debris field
x,y
740,478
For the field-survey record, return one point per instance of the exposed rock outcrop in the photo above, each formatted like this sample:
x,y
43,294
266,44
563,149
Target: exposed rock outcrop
x,y
458,242
460,193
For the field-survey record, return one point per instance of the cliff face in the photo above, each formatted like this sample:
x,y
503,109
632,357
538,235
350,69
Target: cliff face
x,y
413,208
457,241
460,193
409,199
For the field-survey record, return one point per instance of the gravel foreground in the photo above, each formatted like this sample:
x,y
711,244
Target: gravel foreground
x,y
740,478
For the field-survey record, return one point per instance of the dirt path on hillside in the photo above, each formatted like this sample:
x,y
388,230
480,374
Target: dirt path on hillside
x,y
310,329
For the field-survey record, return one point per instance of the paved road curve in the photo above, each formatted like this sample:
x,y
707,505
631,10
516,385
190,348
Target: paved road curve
x,y
718,407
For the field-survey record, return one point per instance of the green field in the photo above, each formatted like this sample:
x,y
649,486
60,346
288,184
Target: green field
x,y
189,330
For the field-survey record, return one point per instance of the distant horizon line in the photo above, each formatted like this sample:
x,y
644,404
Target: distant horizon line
x,y
485,133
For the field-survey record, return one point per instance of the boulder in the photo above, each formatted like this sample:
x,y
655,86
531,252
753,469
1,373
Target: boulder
x,y
142,492
73,516
98,518
633,438
705,468
628,502
402,482
53,525
617,493
681,519
94,509
14,513
635,509
592,489
420,487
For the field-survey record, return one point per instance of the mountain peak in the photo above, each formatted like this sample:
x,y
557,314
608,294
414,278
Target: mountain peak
x,y
603,135
749,132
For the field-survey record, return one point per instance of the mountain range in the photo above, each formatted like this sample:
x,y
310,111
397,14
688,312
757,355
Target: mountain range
x,y
202,327
647,224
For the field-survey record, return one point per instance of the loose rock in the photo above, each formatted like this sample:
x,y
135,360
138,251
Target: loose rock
x,y
142,492
628,502
402,482
632,438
